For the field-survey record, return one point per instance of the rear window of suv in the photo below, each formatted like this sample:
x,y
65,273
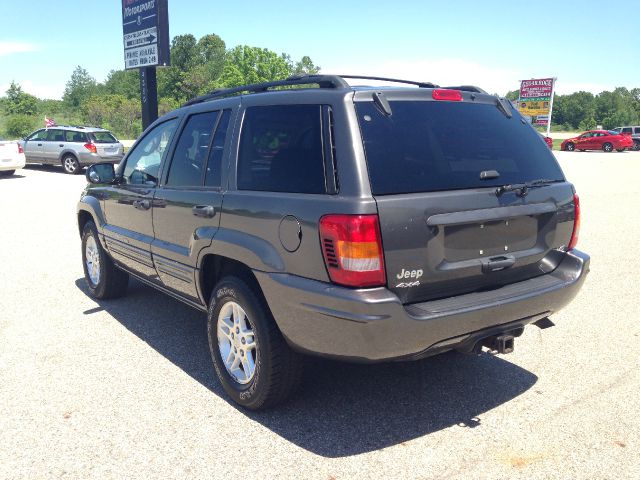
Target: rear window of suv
x,y
428,146
102,137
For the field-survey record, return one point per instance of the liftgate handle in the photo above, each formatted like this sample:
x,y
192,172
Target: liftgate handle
x,y
496,264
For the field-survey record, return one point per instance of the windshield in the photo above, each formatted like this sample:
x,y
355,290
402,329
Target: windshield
x,y
102,137
429,146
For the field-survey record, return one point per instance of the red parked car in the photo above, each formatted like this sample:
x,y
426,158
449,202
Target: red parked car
x,y
606,140
548,141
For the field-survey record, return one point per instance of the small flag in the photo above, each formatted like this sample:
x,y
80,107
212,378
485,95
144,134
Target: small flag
x,y
49,122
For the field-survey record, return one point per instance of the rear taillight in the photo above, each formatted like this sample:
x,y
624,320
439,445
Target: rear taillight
x,y
445,94
352,249
20,149
576,223
91,147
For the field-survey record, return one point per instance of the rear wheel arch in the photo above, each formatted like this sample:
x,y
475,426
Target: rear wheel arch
x,y
214,267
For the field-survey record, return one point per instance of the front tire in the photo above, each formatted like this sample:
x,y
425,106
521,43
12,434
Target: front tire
x,y
103,278
71,164
570,147
252,360
7,173
636,145
607,147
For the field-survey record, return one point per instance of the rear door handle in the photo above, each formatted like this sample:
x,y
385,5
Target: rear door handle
x,y
142,204
205,211
496,264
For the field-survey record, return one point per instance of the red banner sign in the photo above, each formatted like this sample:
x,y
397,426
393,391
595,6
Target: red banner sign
x,y
536,88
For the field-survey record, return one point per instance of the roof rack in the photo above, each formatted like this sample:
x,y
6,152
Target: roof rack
x,y
394,80
467,88
325,81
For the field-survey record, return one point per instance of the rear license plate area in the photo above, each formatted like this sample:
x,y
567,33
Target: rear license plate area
x,y
487,239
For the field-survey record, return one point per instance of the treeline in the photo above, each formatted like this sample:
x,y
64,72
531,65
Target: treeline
x,y
197,66
585,111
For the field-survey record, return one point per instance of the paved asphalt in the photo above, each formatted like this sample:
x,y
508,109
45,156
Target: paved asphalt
x,y
125,388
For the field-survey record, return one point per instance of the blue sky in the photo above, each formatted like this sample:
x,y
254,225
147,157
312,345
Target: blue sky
x,y
587,45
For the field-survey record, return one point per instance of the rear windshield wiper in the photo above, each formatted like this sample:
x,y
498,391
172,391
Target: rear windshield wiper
x,y
522,189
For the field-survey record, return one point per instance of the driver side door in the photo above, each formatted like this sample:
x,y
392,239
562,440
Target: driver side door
x,y
128,228
584,141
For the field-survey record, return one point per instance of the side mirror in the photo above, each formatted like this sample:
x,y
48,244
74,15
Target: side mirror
x,y
101,173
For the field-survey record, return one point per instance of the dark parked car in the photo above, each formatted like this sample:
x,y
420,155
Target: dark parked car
x,y
363,224
606,140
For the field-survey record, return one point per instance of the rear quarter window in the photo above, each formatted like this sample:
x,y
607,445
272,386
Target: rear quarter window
x,y
102,137
281,149
431,146
76,137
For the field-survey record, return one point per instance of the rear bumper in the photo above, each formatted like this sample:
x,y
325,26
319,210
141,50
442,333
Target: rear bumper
x,y
89,158
372,325
13,163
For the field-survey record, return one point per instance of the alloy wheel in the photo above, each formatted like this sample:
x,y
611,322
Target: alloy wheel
x,y
237,342
92,260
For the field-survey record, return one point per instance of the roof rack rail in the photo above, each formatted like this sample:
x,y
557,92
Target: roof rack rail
x,y
394,80
467,88
324,81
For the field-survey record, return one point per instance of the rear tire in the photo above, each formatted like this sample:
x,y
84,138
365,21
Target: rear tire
x,y
569,147
7,173
259,369
607,147
103,278
71,164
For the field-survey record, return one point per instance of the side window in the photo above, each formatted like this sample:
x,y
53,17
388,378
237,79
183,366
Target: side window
x,y
143,162
281,149
190,155
637,130
213,176
55,135
626,130
39,135
77,137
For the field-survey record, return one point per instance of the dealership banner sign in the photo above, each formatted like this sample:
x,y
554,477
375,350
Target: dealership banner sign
x,y
536,99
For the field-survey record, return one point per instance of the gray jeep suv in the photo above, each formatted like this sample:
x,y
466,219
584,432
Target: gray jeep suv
x,y
72,147
356,223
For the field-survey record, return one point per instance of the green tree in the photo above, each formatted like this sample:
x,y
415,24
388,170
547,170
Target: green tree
x,y
19,126
79,88
18,102
123,82
305,67
512,95
574,108
246,65
184,52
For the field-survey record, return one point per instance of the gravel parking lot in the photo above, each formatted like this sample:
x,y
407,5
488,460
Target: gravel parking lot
x,y
125,388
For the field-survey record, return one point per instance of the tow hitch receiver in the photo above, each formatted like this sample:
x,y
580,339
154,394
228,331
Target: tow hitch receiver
x,y
500,343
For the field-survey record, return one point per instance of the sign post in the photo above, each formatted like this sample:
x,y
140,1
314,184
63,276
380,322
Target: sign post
x,y
145,37
536,100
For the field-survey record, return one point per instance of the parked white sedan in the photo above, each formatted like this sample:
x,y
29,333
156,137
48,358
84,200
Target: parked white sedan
x,y
11,157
